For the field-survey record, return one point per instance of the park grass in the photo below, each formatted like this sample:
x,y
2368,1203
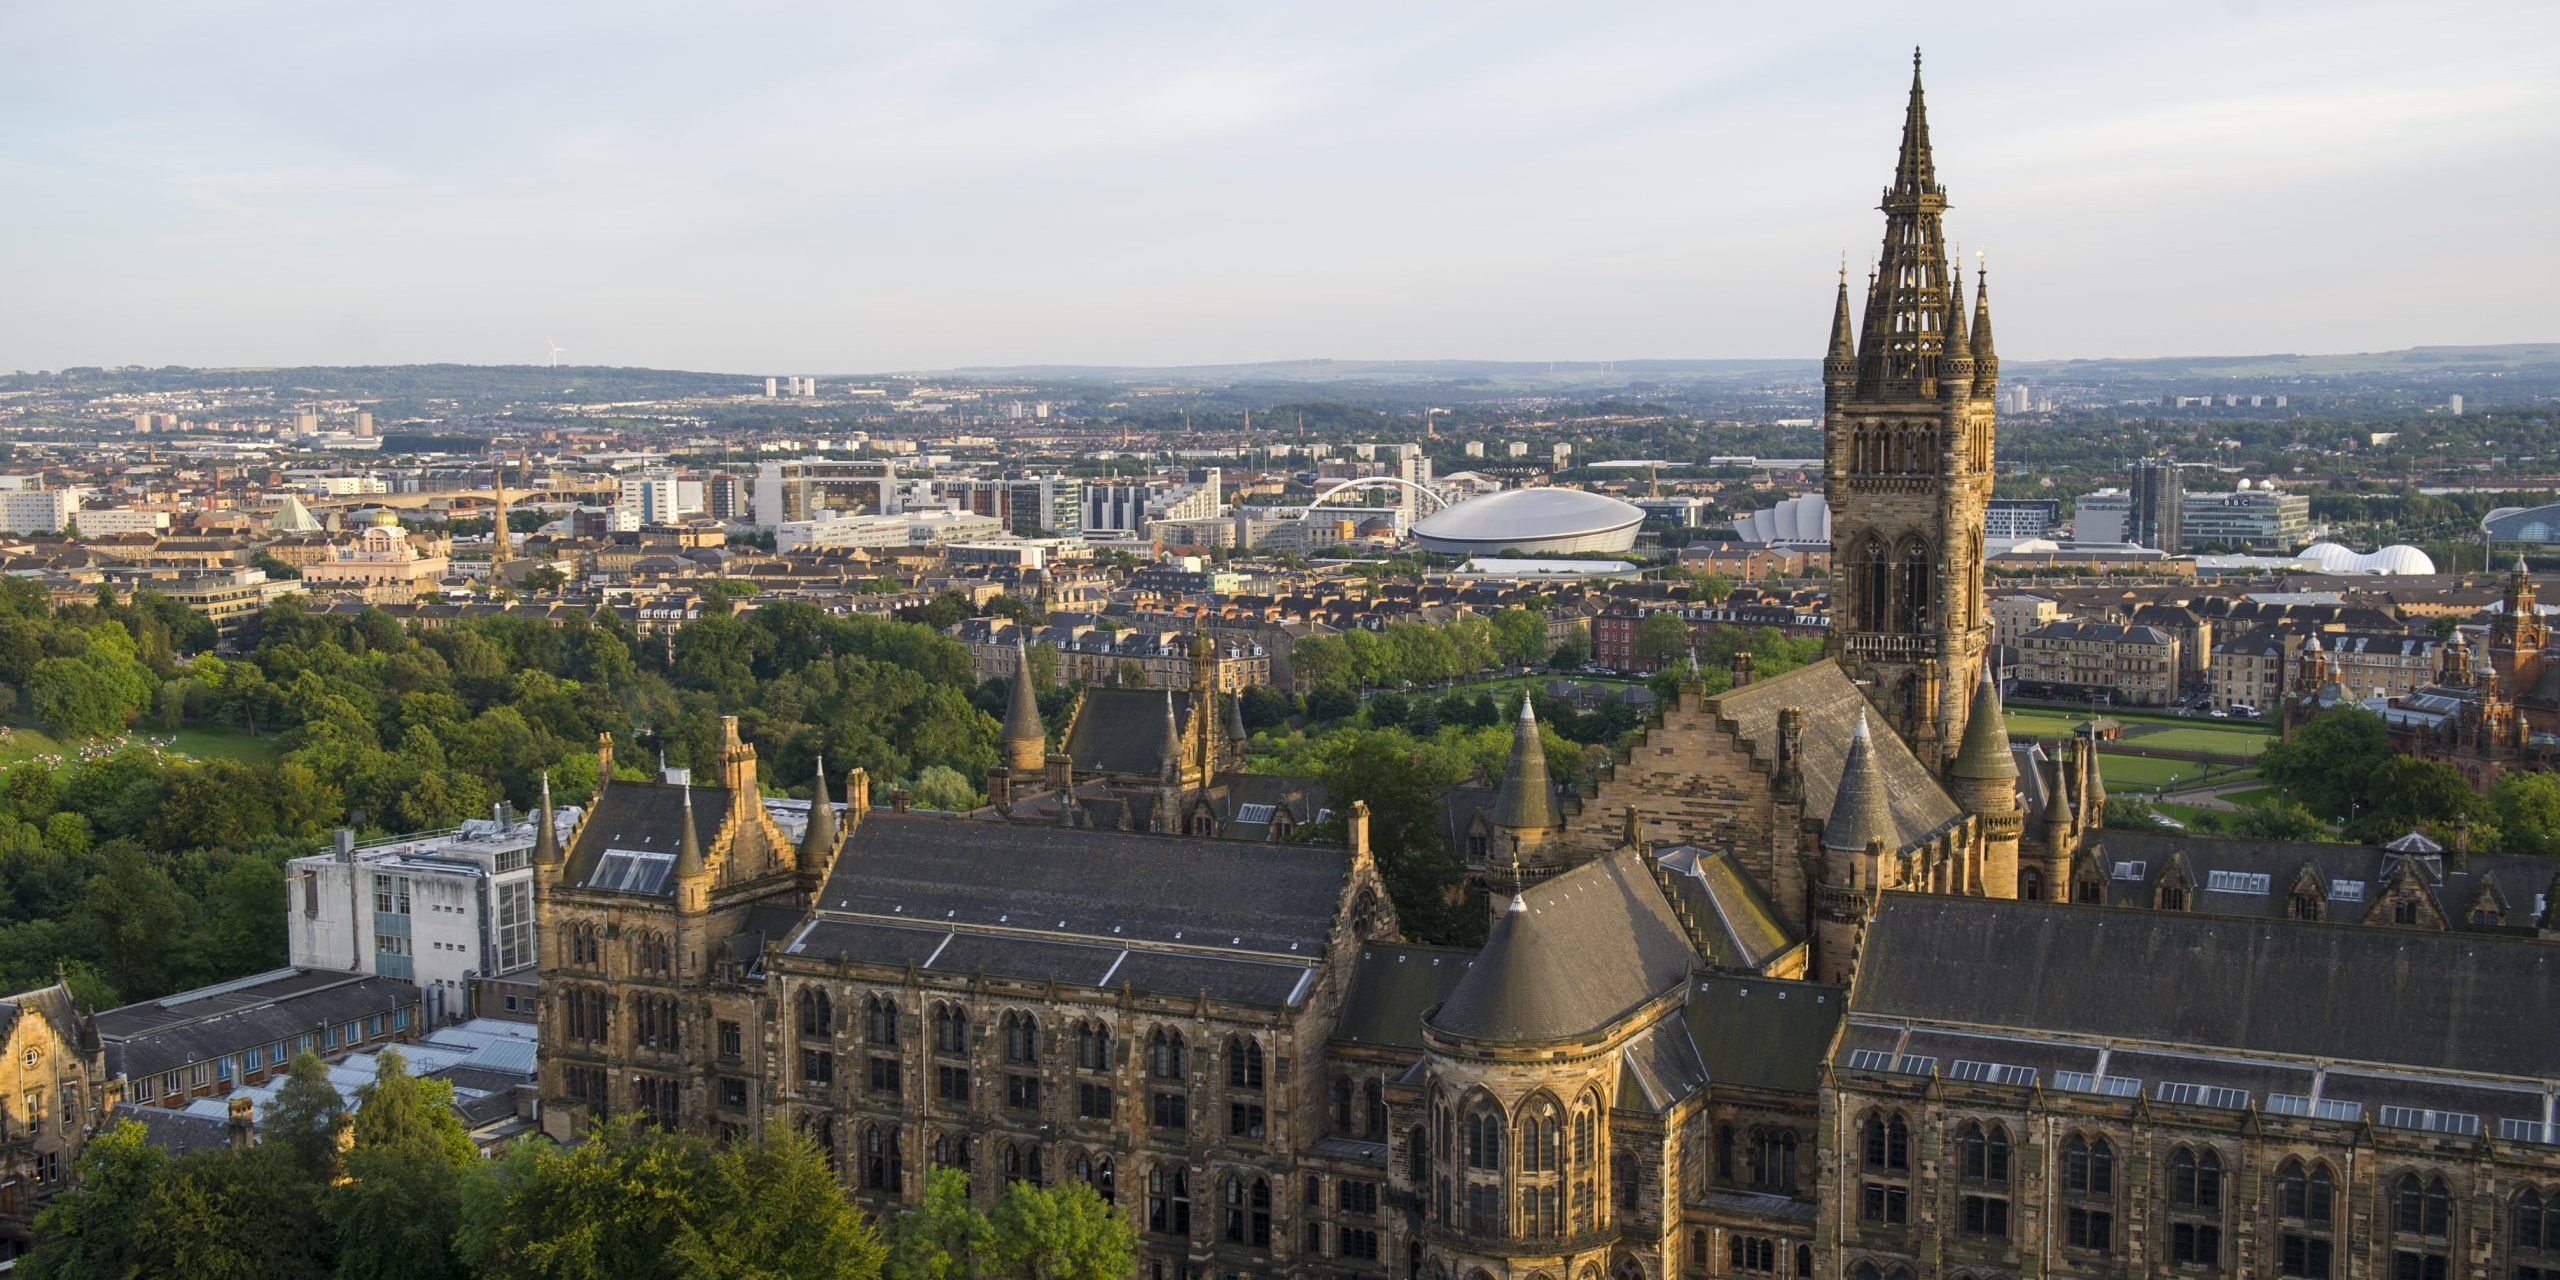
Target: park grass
x,y
2212,737
2145,773
26,742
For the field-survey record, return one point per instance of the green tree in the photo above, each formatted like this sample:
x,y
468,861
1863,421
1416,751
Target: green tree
x,y
2276,820
1065,1232
70,696
2526,807
942,787
610,1208
2330,761
941,1237
1662,637
233,1214
410,1116
88,1231
772,1210
301,1124
1520,637
2407,793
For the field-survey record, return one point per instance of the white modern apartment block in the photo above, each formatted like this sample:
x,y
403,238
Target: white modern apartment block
x,y
37,510
646,498
99,522
436,909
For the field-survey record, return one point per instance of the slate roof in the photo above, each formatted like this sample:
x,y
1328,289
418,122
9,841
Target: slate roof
x,y
1158,970
1103,885
1122,730
2352,877
1732,921
53,1004
177,1132
1763,1033
1583,949
2414,998
1392,986
645,817
209,1022
1919,806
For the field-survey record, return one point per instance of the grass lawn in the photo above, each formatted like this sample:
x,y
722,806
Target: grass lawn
x,y
2169,733
26,742
2254,795
2142,773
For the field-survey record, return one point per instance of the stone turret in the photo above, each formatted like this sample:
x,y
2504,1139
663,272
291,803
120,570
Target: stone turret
x,y
1983,781
1861,819
818,843
1026,742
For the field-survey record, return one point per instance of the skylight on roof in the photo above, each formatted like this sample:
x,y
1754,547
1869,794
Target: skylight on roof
x,y
2130,870
2346,890
2236,882
2461,1122
2202,1095
1254,814
2104,1086
1991,1073
2514,1130
632,871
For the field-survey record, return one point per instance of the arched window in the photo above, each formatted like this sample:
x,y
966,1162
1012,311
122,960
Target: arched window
x,y
1374,1104
1021,1039
1169,1199
1101,1176
2537,1234
1481,1130
2088,1185
1724,1154
1982,1165
1804,1262
2421,1227
883,1166
950,1029
1093,1046
1164,1054
817,1013
2306,1223
1585,1169
1247,1204
1626,1182
1417,1156
1244,1063
882,1020
1773,1159
1865,1271
1874,582
2195,1206
1917,581
2305,906
1886,1140
2031,884
2173,897
951,1151
1022,1162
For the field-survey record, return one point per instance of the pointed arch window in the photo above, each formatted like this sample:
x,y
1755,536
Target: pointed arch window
x,y
2195,1206
2537,1234
2421,1227
2306,1221
2088,1190
1244,1064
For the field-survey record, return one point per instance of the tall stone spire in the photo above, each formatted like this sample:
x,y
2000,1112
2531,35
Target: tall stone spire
x,y
1171,744
1903,336
1840,363
1955,368
1526,801
1861,814
1026,743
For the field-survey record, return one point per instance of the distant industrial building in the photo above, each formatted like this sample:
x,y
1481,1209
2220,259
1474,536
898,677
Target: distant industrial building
x,y
443,910
2259,518
2018,519
2156,518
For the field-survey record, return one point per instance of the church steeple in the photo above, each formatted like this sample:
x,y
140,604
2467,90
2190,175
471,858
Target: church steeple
x,y
818,842
1908,446
1986,360
1899,347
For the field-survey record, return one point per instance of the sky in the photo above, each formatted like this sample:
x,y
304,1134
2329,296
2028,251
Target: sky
x,y
852,187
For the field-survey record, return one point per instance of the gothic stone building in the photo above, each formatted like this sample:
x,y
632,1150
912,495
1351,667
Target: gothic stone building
x,y
1230,1041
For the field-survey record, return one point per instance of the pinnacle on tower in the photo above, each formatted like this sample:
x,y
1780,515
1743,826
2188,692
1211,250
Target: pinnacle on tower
x,y
820,838
1860,813
1172,744
1984,753
1526,801
1840,364
1913,172
546,835
1986,360
689,849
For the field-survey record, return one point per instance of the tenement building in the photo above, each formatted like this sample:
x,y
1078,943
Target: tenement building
x,y
1791,989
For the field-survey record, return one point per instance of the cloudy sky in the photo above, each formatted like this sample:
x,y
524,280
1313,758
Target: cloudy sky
x,y
840,187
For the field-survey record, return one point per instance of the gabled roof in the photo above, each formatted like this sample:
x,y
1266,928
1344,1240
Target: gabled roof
x,y
1733,921
643,817
1122,730
1392,986
1918,805
1574,954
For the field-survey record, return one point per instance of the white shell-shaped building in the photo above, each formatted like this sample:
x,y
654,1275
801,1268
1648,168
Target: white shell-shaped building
x,y
1541,521
1804,519
2397,558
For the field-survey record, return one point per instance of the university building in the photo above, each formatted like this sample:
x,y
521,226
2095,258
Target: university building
x,y
1794,988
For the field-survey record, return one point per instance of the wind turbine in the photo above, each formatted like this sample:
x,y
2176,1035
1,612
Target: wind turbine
x,y
555,353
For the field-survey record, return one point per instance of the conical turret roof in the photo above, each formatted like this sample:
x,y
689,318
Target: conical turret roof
x,y
1527,798
1860,814
546,833
689,849
1984,753
1022,713
820,839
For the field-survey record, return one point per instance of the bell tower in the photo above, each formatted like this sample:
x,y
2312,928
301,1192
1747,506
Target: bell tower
x,y
1907,450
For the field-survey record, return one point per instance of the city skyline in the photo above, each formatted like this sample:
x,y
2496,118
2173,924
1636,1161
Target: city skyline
x,y
892,190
